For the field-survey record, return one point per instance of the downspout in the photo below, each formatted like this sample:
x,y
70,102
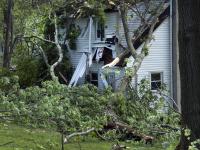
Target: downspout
x,y
90,35
171,53
175,54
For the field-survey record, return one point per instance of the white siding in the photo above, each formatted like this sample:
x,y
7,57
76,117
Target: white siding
x,y
75,58
111,23
133,23
159,58
83,42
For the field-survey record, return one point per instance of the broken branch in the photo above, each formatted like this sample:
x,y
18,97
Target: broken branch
x,y
78,134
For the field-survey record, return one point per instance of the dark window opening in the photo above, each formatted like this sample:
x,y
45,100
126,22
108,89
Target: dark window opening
x,y
107,56
111,40
94,79
100,31
156,81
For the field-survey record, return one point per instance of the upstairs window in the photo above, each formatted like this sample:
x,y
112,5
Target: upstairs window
x,y
100,32
156,81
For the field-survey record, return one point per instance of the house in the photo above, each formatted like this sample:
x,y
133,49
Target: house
x,y
97,45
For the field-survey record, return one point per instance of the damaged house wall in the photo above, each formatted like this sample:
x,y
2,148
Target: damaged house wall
x,y
158,60
110,29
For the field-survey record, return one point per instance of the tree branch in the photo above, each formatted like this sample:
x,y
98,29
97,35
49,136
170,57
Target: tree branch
x,y
78,134
60,53
63,77
43,55
138,58
123,12
42,39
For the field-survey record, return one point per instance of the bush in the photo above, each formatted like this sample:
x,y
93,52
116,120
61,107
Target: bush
x,y
54,104
27,70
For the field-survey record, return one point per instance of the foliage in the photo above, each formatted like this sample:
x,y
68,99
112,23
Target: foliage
x,y
143,108
72,34
68,110
8,81
65,67
30,65
194,145
55,104
26,64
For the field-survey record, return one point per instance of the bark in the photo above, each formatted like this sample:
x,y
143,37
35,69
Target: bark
x,y
60,53
189,54
119,147
39,38
129,131
8,34
43,55
130,39
58,46
138,58
78,134
63,77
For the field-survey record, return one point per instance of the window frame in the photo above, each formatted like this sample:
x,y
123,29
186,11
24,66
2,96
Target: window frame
x,y
111,79
96,31
93,81
161,79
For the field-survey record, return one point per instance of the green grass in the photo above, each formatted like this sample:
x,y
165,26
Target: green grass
x,y
13,137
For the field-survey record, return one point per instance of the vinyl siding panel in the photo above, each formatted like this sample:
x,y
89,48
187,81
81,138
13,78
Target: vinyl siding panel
x,y
133,23
82,42
74,58
111,23
159,58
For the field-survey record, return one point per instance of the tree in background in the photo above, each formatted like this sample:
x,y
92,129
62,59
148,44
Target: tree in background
x,y
20,43
8,33
189,62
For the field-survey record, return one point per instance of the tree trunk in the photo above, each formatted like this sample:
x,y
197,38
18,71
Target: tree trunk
x,y
189,62
60,52
8,34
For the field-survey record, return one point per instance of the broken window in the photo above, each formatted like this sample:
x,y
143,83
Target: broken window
x,y
156,81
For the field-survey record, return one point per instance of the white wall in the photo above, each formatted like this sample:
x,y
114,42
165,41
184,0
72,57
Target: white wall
x,y
159,58
111,23
83,42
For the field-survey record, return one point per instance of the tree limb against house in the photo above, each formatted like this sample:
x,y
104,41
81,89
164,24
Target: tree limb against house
x,y
123,8
124,40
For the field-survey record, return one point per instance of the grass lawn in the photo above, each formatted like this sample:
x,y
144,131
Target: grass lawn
x,y
14,137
